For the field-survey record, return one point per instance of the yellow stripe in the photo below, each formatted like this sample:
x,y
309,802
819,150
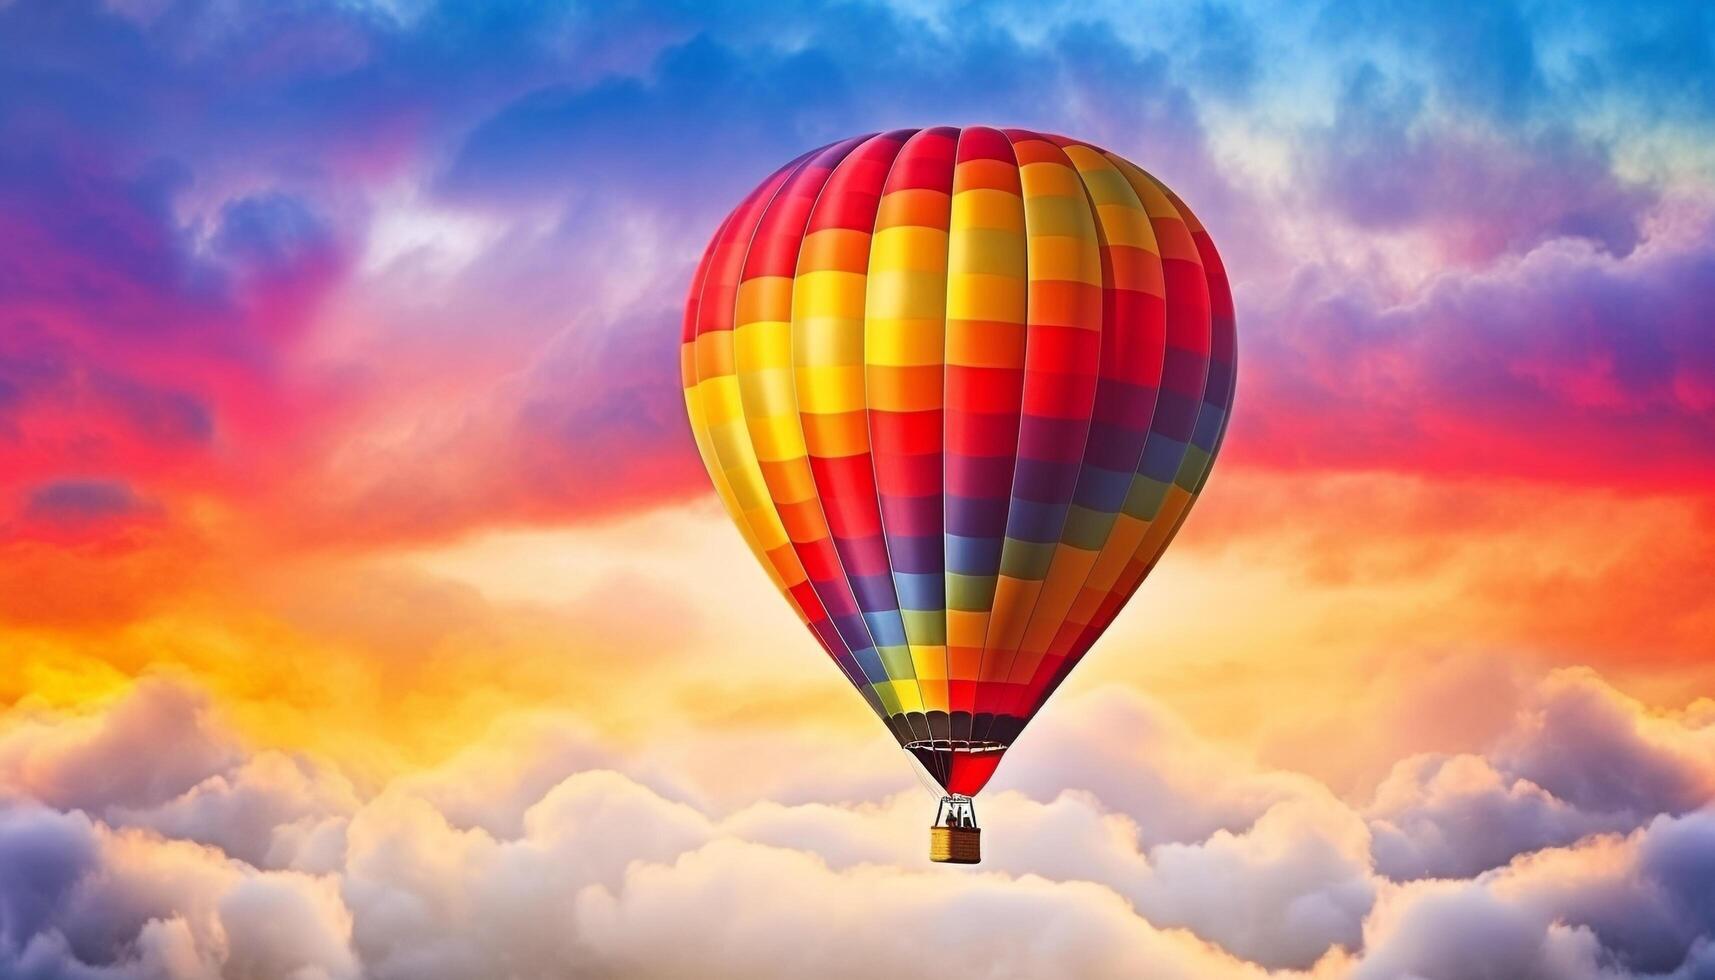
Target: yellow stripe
x,y
986,207
911,247
830,389
764,343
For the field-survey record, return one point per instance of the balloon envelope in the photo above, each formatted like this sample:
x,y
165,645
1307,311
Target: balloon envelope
x,y
958,388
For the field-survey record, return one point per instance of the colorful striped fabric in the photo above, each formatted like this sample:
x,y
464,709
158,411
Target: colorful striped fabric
x,y
959,388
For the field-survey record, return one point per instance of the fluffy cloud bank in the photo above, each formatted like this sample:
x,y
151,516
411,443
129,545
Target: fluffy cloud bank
x,y
147,841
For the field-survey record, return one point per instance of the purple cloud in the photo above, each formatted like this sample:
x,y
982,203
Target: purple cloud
x,y
43,855
80,502
1567,363
1388,163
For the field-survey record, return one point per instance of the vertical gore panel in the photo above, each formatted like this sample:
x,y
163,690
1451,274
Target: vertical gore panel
x,y
904,342
762,357
711,391
987,308
828,310
1207,429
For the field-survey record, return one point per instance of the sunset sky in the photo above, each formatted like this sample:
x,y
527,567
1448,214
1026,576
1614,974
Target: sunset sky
x,y
365,610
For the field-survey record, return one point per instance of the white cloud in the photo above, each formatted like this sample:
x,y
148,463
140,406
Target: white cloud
x,y
1454,816
786,913
99,902
1581,758
255,813
144,750
1600,750
1612,906
1177,786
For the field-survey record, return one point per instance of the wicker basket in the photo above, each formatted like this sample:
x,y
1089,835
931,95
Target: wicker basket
x,y
955,845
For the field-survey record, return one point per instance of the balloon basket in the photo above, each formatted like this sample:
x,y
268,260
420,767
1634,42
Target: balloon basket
x,y
955,838
955,845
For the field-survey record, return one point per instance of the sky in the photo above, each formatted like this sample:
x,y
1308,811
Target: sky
x,y
366,611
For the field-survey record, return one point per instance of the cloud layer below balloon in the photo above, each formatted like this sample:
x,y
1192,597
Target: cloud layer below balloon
x,y
146,840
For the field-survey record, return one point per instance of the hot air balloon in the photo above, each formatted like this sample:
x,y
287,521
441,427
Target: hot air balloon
x,y
958,388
